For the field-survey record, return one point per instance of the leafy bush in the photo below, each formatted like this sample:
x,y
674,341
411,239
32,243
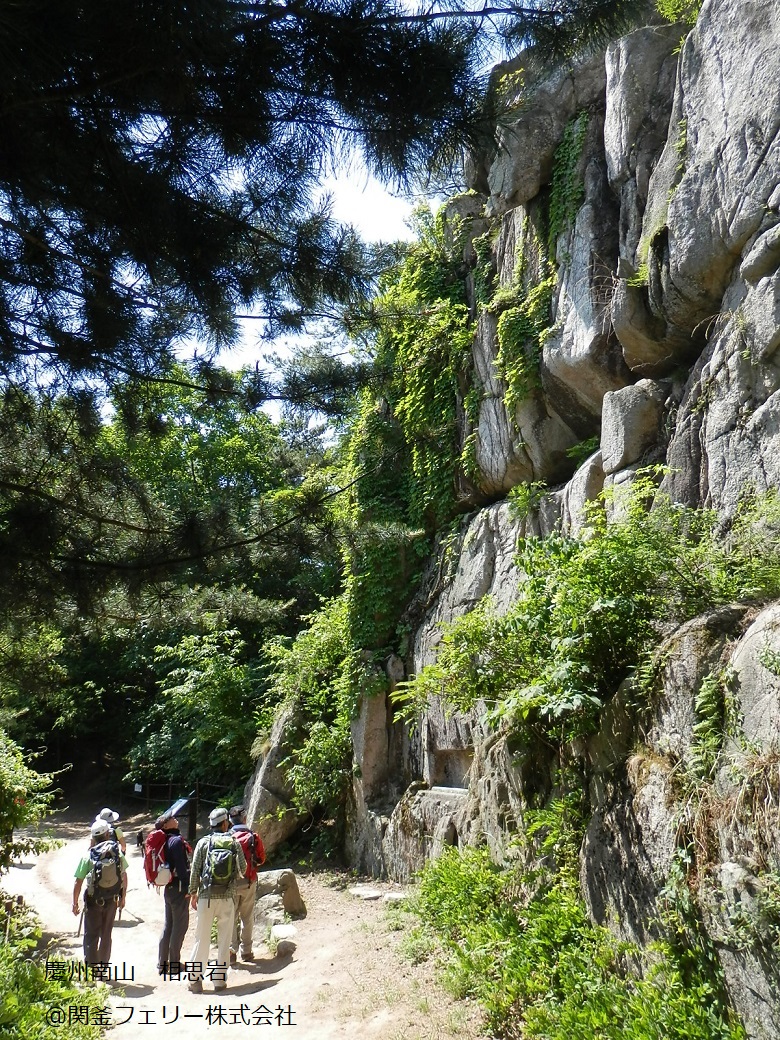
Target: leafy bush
x,y
27,994
519,940
25,797
591,608
679,10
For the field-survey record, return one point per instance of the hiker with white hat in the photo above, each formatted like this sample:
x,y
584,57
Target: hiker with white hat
x,y
104,869
217,864
111,817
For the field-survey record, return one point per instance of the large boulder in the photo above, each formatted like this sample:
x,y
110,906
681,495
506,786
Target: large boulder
x,y
631,423
527,140
268,795
709,195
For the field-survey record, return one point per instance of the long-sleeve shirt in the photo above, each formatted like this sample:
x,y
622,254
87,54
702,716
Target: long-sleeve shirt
x,y
176,854
199,862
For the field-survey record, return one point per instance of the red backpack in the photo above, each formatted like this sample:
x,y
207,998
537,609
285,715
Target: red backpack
x,y
254,852
155,862
156,867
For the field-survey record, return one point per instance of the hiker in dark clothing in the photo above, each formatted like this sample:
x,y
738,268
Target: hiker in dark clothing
x,y
177,900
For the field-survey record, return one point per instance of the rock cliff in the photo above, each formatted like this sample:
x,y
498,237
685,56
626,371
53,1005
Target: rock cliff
x,y
657,165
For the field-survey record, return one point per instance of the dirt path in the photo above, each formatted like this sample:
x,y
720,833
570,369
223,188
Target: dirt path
x,y
347,978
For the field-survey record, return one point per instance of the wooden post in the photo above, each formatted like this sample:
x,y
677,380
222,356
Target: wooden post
x,y
192,820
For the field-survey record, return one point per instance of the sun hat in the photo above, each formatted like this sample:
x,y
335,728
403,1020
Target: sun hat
x,y
236,812
99,827
217,816
108,814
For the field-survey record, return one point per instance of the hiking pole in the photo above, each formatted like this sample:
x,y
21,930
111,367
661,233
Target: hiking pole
x,y
81,919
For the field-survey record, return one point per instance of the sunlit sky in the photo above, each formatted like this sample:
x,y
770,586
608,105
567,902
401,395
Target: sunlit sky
x,y
361,200
358,199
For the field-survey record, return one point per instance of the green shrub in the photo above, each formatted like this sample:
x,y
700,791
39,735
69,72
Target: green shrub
x,y
25,797
679,10
28,994
519,940
582,450
592,608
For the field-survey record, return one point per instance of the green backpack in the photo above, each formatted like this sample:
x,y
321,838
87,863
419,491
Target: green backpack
x,y
219,868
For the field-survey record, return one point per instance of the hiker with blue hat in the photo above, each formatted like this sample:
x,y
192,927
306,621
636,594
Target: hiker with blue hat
x,y
217,864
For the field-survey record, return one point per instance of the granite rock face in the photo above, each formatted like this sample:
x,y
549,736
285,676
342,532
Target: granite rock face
x,y
268,796
660,345
528,141
651,804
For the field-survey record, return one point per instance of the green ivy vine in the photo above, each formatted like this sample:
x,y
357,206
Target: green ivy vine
x,y
567,189
521,332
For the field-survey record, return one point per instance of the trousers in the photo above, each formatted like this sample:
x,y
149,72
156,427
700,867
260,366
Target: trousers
x,y
98,922
221,911
244,920
177,920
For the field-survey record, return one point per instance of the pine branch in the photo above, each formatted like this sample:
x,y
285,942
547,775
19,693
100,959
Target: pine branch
x,y
140,565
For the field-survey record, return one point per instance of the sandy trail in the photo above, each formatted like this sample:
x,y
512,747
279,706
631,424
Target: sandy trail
x,y
347,977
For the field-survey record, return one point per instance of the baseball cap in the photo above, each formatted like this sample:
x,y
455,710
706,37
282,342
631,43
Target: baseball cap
x,y
217,816
99,828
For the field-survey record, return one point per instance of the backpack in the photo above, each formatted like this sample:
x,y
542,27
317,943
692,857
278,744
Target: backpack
x,y
155,862
219,867
156,868
105,879
253,850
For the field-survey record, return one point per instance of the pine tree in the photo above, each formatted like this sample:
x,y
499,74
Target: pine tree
x,y
159,169
159,162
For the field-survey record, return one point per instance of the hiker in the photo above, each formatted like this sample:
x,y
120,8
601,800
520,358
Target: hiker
x,y
246,887
105,871
218,862
117,833
176,896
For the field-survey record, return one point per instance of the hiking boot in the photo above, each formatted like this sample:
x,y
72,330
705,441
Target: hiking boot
x,y
233,956
196,986
247,956
220,986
